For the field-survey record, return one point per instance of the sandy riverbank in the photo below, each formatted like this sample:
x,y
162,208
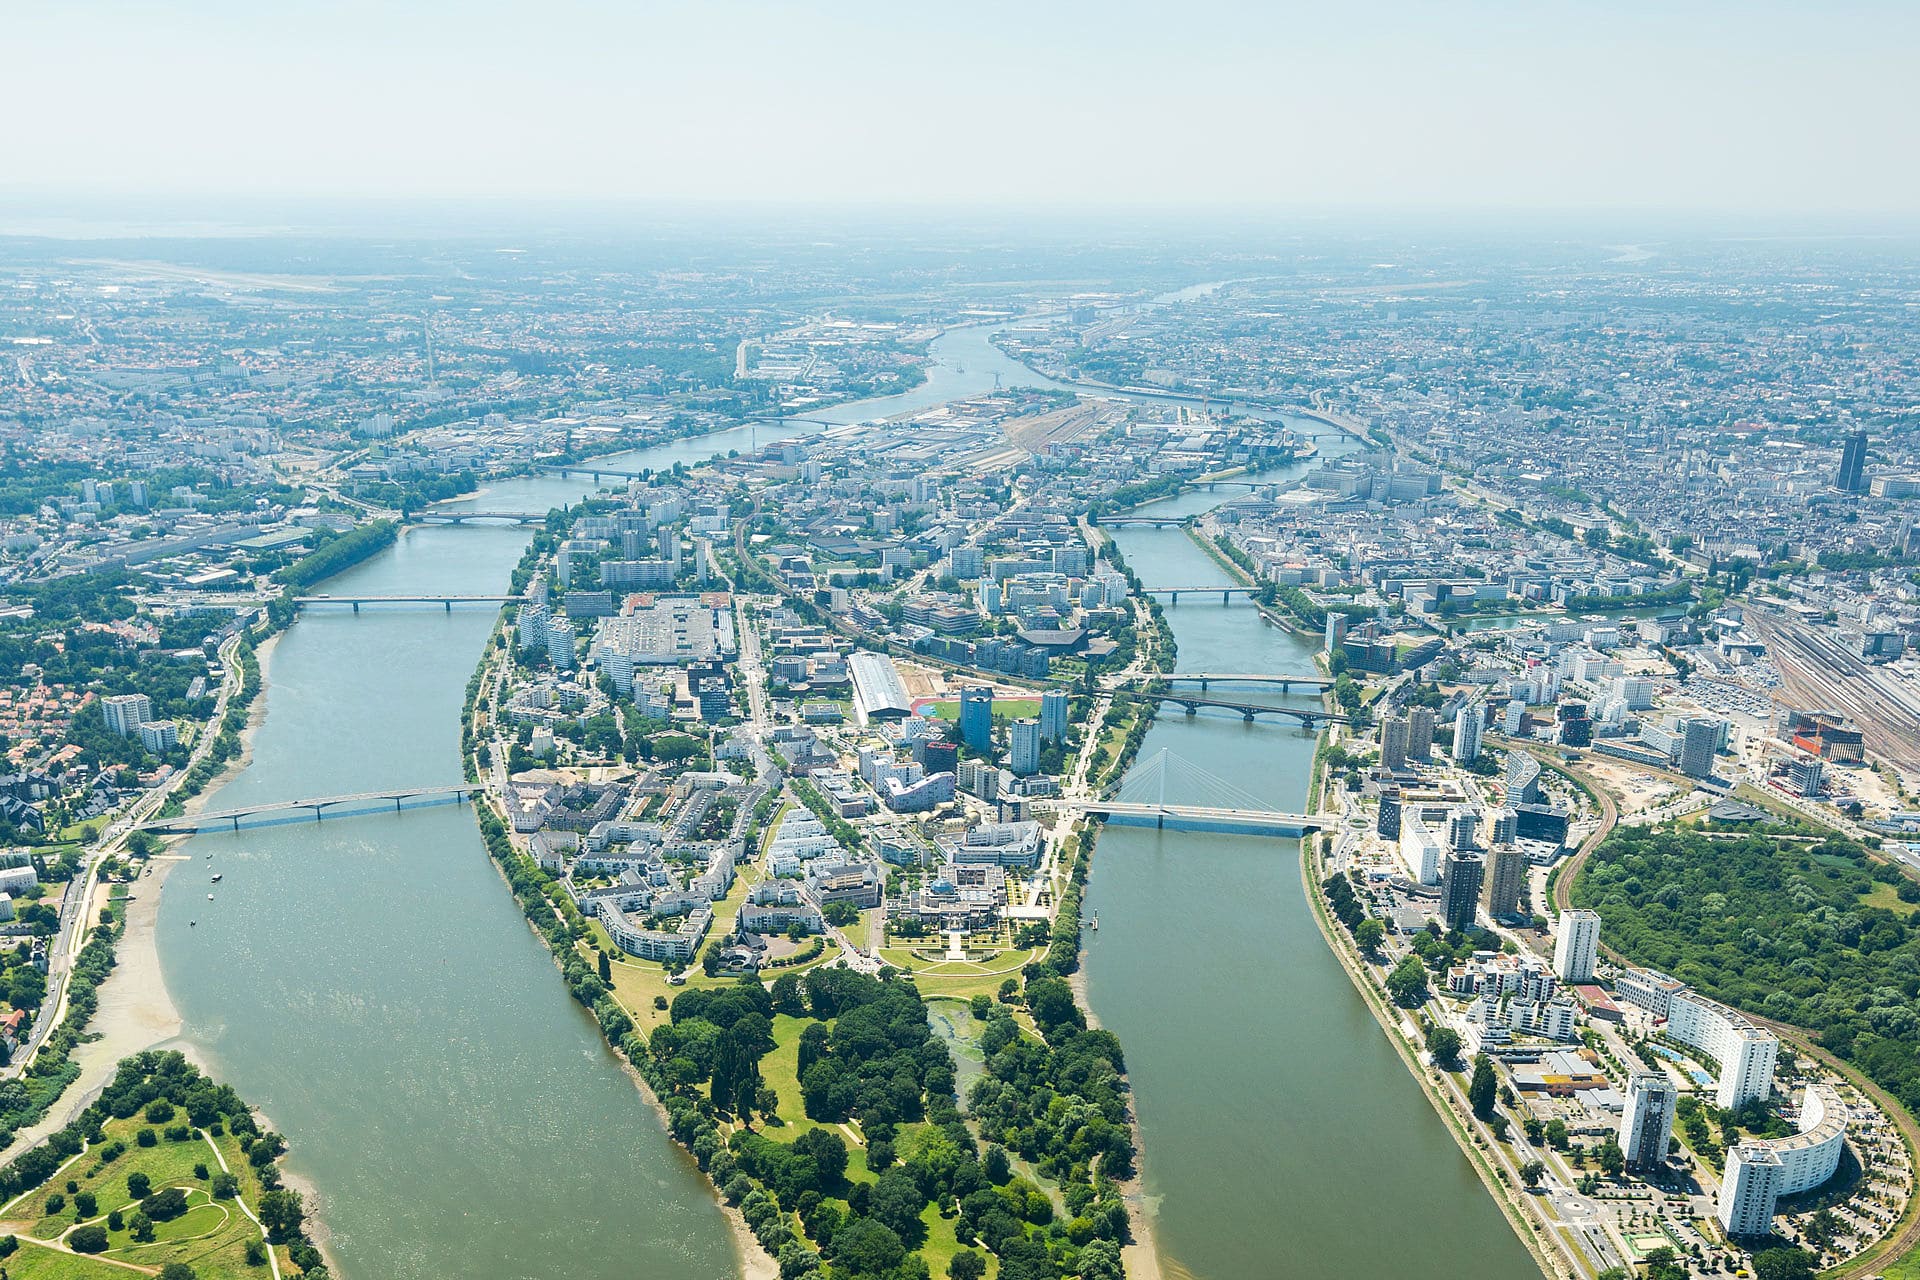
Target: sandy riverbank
x,y
1141,1259
136,1012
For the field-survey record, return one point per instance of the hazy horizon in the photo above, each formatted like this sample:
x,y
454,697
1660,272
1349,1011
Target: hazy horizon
x,y
1748,110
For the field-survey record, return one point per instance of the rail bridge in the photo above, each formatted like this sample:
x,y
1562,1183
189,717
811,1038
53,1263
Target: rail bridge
x,y
1309,717
1142,522
321,807
1280,680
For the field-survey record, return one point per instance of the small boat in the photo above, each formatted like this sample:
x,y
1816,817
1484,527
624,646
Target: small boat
x,y
216,879
1096,920
192,923
209,897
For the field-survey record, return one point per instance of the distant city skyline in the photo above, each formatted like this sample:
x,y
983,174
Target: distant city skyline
x,y
1754,108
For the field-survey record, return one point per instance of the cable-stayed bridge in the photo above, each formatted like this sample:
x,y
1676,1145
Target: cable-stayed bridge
x,y
1204,801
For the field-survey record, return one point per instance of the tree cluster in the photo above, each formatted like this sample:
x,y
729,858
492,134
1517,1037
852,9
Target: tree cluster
x,y
1776,927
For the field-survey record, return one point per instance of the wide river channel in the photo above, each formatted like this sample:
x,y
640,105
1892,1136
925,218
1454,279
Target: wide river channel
x,y
371,985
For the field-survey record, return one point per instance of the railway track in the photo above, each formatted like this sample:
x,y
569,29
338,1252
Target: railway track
x,y
1905,1237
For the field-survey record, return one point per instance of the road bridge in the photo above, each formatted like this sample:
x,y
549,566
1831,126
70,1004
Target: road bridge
x,y
1198,800
1174,593
593,470
1142,522
301,602
359,802
461,517
1189,816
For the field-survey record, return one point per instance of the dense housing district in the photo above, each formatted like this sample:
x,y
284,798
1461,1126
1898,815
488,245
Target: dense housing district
x,y
797,757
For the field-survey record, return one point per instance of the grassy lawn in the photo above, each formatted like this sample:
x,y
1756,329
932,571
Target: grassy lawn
x,y
1885,895
34,1263
210,1237
941,1244
779,1070
773,824
1906,1268
1003,708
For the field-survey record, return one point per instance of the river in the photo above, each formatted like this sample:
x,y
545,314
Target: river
x,y
1283,1136
371,985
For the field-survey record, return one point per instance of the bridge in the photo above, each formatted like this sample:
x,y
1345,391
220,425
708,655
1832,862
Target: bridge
x,y
1175,592
1309,717
359,802
1217,805
1142,522
593,469
1285,683
301,602
461,517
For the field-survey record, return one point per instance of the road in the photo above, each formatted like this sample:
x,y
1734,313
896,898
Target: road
x,y
1907,1236
67,944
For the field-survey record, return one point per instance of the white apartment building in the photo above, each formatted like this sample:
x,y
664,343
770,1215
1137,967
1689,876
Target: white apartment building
x,y
1419,849
1576,946
1646,1123
1745,1053
1750,1189
126,712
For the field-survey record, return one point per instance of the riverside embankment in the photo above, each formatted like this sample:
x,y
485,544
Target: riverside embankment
x,y
372,985
1278,1125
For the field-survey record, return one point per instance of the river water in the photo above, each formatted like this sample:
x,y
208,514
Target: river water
x,y
370,982
1283,1136
371,985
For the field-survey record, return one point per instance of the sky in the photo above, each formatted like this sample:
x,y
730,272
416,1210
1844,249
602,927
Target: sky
x,y
1685,105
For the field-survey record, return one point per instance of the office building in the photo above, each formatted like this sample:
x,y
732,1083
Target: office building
x,y
1336,630
1646,1122
1023,739
1702,738
1420,734
1460,889
1576,946
1387,822
1466,734
1807,775
126,712
1852,474
1750,1190
976,717
1523,778
1393,744
1053,717
1506,880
